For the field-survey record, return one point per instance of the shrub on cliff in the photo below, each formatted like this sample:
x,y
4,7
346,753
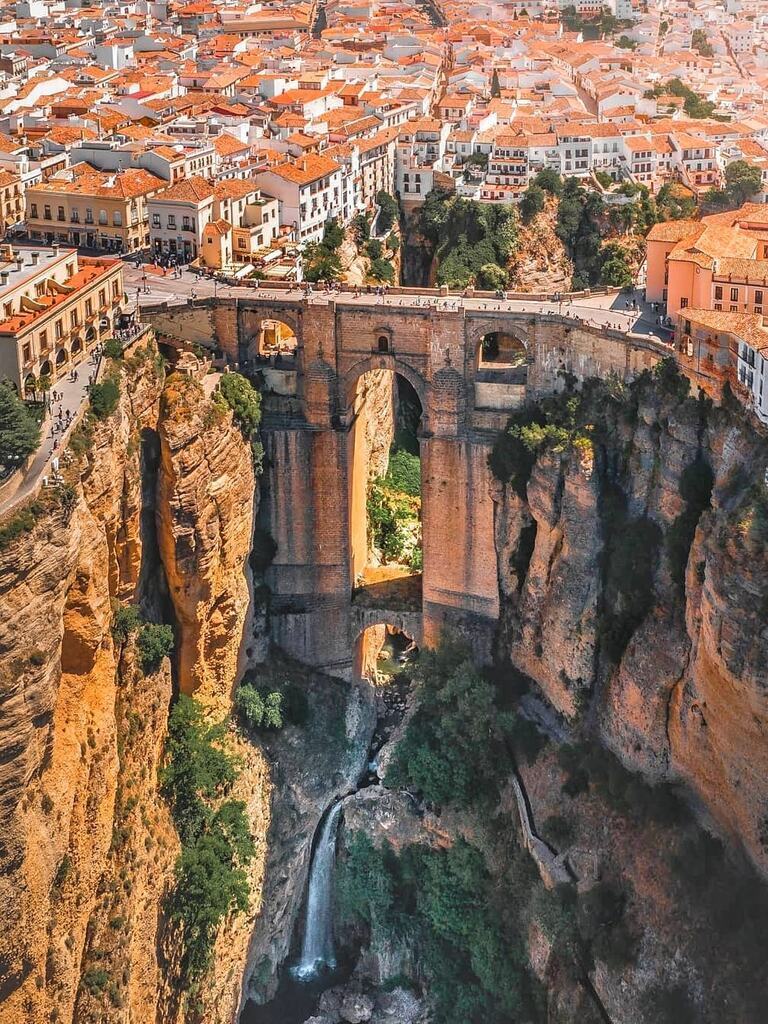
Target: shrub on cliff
x,y
217,846
388,211
113,349
454,749
260,709
244,401
104,398
126,620
155,642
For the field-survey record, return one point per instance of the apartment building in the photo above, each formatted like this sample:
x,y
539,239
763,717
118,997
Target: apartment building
x,y
421,149
719,263
178,216
11,201
55,306
715,348
309,193
85,207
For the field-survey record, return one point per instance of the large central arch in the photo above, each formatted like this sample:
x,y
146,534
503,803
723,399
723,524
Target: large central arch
x,y
373,400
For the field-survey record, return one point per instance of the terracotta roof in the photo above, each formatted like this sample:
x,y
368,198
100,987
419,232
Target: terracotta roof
x,y
188,190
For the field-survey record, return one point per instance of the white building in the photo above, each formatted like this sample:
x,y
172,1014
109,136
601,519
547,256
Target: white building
x,y
178,215
309,193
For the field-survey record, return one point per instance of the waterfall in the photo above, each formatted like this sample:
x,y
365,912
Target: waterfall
x,y
317,947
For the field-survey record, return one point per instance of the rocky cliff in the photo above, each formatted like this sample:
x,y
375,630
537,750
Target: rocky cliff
x,y
636,599
159,518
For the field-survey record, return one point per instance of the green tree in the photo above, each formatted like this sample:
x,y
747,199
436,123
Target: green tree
x,y
333,234
550,181
104,398
155,642
743,181
244,401
531,203
492,277
260,710
454,748
393,242
701,44
382,270
388,211
19,432
126,621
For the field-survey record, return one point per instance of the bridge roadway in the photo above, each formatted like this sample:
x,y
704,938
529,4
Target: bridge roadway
x,y
606,310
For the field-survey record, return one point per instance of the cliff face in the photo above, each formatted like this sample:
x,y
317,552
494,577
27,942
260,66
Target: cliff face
x,y
59,726
88,847
205,518
681,695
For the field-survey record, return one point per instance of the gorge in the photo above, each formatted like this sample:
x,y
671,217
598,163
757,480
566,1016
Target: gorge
x,y
591,612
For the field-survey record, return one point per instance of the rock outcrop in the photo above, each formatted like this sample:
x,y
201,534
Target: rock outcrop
x,y
685,700
88,845
60,729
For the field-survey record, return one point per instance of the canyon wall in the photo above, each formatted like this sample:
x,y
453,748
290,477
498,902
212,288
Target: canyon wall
x,y
683,699
88,846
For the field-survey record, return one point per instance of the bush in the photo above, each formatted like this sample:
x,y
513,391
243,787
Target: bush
x,y
154,643
532,203
493,278
550,181
113,349
19,432
382,270
259,710
95,980
393,242
104,398
374,249
211,880
244,401
125,621
454,749
388,211
404,473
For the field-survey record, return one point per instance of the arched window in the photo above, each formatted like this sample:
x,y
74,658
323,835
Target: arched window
x,y
383,343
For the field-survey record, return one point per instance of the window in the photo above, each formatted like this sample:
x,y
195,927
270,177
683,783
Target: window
x,y
186,224
27,350
155,220
102,216
241,243
115,290
88,215
60,213
719,306
89,307
102,297
33,209
70,269
73,319
759,296
383,343
58,329
47,213
171,220
43,341
117,219
683,303
718,291
734,294
75,216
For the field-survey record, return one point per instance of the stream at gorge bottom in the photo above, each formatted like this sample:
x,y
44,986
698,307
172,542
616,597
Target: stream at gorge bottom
x,y
314,963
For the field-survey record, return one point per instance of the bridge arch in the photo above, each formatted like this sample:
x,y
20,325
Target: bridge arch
x,y
384,361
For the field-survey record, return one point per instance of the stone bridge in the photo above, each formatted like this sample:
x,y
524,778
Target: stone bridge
x,y
311,488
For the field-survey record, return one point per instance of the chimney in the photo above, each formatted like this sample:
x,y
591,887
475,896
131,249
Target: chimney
x,y
3,277
55,249
35,257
